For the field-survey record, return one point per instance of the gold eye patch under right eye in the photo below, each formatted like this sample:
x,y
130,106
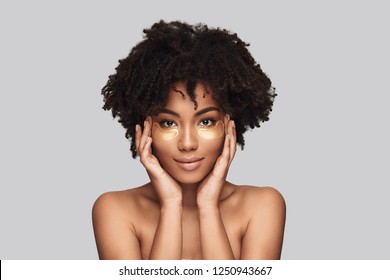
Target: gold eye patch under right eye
x,y
165,134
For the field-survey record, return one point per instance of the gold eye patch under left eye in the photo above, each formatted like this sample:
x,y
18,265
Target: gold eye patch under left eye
x,y
214,132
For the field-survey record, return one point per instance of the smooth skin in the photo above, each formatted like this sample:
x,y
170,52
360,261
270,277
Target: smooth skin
x,y
189,210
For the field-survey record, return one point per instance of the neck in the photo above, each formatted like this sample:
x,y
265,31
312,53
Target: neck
x,y
189,194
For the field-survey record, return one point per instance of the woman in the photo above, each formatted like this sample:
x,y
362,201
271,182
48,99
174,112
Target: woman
x,y
185,95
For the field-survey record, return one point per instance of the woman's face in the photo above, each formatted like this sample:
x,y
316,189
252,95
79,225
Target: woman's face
x,y
187,142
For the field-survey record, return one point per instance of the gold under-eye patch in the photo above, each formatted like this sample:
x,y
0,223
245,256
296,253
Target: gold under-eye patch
x,y
214,132
210,133
165,134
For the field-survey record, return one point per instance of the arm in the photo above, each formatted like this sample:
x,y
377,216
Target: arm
x,y
115,239
167,242
114,232
214,239
263,238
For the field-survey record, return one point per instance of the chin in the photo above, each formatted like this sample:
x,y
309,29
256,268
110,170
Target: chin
x,y
191,177
188,179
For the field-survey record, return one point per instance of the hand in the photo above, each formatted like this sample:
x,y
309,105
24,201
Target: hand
x,y
167,189
210,188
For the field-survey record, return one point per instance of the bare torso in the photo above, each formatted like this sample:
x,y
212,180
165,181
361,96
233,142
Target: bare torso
x,y
139,209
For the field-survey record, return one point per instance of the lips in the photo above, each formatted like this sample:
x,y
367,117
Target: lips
x,y
189,164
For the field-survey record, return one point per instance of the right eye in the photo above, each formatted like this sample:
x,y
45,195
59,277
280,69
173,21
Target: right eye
x,y
167,124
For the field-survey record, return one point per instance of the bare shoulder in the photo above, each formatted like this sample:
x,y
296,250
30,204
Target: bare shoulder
x,y
265,210
261,198
123,200
114,215
251,201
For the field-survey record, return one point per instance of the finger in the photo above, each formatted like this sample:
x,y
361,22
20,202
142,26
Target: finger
x,y
226,123
226,150
233,141
145,135
146,151
222,165
149,120
137,137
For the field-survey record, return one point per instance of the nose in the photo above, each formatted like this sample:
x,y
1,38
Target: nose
x,y
188,139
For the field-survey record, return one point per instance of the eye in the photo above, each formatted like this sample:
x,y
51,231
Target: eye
x,y
167,124
207,122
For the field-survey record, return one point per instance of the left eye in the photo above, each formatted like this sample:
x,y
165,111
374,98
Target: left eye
x,y
207,122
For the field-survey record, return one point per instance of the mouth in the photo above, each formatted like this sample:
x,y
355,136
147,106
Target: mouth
x,y
189,164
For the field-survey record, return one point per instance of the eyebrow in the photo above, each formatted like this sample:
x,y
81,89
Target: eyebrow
x,y
201,112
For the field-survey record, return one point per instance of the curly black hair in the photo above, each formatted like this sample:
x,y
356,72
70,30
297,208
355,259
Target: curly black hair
x,y
176,51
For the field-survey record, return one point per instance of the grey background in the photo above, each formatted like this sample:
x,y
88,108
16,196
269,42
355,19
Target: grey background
x,y
325,148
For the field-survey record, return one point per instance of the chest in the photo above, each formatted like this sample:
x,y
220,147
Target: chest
x,y
191,236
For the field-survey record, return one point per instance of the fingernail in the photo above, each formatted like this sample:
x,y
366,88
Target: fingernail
x,y
136,127
233,124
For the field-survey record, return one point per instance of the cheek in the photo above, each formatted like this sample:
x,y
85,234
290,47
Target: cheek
x,y
163,142
164,151
160,147
212,147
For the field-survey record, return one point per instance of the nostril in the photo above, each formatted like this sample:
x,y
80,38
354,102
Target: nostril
x,y
188,140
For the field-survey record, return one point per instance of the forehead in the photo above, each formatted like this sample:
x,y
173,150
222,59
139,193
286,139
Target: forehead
x,y
178,97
